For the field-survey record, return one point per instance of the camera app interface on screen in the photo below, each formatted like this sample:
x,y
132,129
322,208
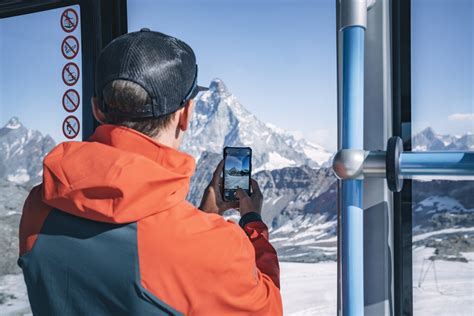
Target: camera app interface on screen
x,y
237,171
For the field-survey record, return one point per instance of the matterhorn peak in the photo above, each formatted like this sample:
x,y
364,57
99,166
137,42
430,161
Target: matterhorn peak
x,y
13,123
217,85
428,130
429,134
221,120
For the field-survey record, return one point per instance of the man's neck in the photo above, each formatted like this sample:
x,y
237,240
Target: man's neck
x,y
168,139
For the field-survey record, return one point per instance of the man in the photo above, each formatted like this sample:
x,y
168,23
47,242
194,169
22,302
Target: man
x,y
109,232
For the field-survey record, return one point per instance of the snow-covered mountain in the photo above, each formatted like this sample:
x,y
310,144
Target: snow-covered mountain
x,y
220,120
443,211
442,204
429,140
306,229
21,153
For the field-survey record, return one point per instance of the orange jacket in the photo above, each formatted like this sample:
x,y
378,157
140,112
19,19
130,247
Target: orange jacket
x,y
197,263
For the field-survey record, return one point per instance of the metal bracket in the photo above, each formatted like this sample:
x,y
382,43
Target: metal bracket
x,y
348,164
395,165
359,164
354,12
394,150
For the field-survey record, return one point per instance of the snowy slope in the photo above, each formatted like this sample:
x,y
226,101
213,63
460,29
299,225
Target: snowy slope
x,y
442,287
310,289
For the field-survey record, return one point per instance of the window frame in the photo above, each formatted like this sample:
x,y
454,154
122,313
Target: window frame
x,y
402,201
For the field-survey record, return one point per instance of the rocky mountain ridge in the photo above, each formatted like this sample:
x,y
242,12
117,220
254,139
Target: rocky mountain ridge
x,y
429,140
21,153
220,120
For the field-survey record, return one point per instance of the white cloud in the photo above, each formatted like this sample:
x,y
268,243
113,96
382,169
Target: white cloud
x,y
461,117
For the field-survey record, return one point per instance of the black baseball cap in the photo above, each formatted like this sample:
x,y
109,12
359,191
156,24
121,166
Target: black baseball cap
x,y
161,64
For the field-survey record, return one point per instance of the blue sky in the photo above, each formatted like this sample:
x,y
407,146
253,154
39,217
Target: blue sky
x,y
277,56
443,65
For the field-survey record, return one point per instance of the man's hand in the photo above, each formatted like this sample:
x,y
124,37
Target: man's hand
x,y
212,201
251,203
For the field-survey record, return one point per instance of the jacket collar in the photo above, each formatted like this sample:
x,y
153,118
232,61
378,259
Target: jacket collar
x,y
130,140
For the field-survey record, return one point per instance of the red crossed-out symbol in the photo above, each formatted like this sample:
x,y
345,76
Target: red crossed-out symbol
x,y
71,100
70,47
69,20
71,127
70,74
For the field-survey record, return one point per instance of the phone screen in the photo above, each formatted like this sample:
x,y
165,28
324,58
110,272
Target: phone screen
x,y
237,170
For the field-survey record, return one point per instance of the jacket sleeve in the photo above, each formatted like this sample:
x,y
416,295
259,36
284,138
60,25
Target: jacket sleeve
x,y
252,275
265,255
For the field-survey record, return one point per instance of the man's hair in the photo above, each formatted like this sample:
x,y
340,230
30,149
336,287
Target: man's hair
x,y
126,96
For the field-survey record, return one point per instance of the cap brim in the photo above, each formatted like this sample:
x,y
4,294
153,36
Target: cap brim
x,y
194,93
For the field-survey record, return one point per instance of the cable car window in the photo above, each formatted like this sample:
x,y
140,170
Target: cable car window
x,y
40,106
272,71
442,42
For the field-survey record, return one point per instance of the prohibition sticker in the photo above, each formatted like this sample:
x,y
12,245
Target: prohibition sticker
x,y
69,20
71,100
70,74
70,47
71,127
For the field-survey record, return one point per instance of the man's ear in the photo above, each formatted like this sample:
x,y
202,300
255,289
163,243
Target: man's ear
x,y
98,114
186,115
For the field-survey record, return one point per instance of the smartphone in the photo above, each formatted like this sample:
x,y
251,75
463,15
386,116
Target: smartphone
x,y
237,171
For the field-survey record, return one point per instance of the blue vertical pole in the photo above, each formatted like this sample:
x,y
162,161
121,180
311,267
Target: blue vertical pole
x,y
352,138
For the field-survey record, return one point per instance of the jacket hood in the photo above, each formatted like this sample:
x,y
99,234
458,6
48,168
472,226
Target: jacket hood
x,y
118,176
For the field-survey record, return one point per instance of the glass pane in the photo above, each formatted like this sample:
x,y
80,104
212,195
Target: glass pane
x,y
40,106
271,66
443,120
